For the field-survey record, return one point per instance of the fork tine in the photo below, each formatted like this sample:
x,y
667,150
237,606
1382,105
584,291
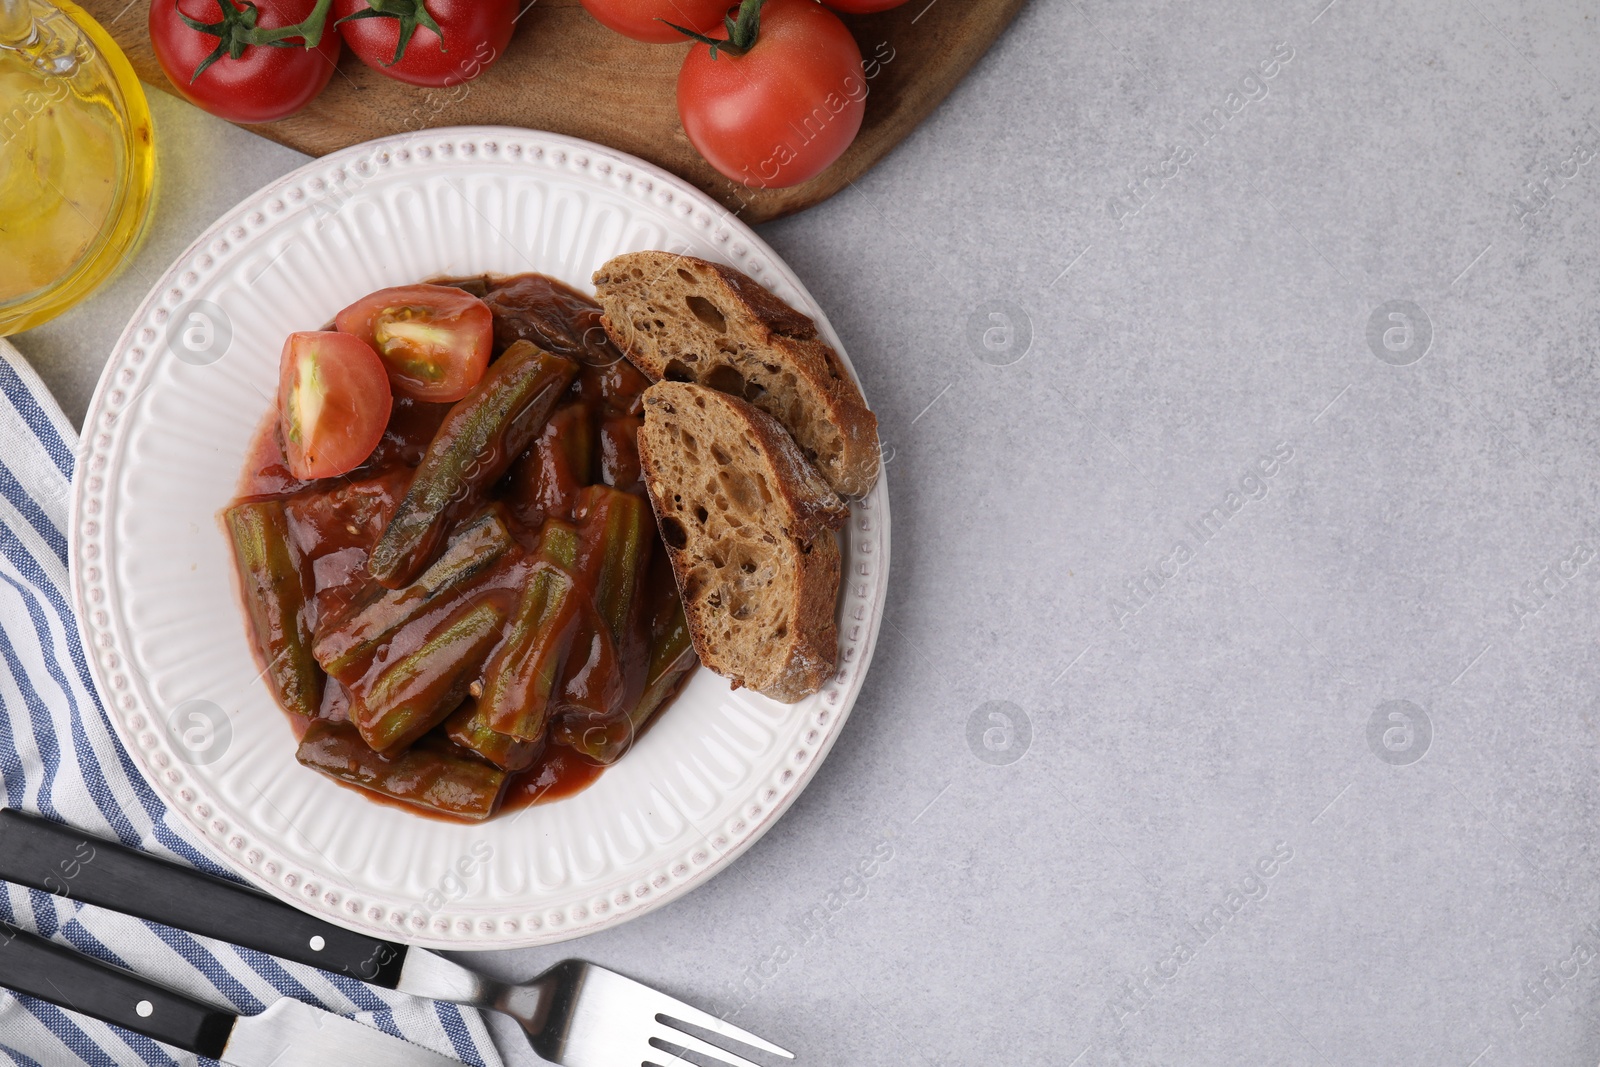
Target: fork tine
x,y
674,1036
678,1011
632,996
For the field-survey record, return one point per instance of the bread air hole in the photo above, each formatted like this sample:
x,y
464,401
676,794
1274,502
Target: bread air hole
x,y
738,488
677,371
707,313
686,276
724,379
673,533
701,515
720,456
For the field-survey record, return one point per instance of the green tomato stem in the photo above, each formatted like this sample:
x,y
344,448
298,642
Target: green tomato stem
x,y
743,32
409,13
237,30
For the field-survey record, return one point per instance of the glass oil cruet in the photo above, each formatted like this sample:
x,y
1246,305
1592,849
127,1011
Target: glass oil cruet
x,y
77,160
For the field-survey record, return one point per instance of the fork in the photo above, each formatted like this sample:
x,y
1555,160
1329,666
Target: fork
x,y
576,1013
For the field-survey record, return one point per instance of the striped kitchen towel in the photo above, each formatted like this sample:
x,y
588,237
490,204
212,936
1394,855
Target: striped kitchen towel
x,y
60,757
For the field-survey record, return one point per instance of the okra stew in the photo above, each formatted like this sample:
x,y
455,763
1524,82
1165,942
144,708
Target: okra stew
x,y
477,613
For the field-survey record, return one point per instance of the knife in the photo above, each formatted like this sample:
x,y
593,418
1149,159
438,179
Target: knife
x,y
288,1032
59,859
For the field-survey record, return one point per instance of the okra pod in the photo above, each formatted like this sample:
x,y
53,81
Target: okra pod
x,y
523,673
604,674
344,648
485,431
554,316
469,727
433,774
618,533
619,452
414,694
595,693
546,481
671,659
615,383
277,586
352,514
559,543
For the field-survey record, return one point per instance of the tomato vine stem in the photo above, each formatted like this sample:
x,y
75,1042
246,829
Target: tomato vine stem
x,y
237,30
743,32
409,13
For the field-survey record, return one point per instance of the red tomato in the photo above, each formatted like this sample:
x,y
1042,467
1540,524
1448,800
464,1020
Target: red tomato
x,y
646,20
264,83
787,108
434,339
333,403
862,7
476,33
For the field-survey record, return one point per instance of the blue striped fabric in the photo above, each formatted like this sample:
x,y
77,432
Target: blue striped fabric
x,y
60,757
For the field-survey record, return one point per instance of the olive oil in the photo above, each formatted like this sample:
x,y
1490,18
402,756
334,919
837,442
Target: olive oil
x,y
77,161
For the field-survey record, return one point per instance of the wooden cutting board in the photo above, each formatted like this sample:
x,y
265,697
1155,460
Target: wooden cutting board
x,y
566,73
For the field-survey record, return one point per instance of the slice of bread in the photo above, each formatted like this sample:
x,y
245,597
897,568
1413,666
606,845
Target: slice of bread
x,y
748,524
683,319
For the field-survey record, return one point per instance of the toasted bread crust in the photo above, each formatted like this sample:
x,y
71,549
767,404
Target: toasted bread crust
x,y
748,524
678,317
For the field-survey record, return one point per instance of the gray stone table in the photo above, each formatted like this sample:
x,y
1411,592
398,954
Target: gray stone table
x,y
1236,699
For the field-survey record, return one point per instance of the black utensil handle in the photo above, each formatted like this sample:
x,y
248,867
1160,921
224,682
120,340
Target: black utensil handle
x,y
59,859
68,979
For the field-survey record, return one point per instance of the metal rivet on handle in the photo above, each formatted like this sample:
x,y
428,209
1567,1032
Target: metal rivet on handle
x,y
145,1009
317,943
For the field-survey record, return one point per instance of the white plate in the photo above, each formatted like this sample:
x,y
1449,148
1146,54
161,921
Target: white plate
x,y
161,453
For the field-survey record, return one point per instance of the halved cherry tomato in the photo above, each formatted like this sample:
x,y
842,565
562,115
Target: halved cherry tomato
x,y
646,20
333,403
434,339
